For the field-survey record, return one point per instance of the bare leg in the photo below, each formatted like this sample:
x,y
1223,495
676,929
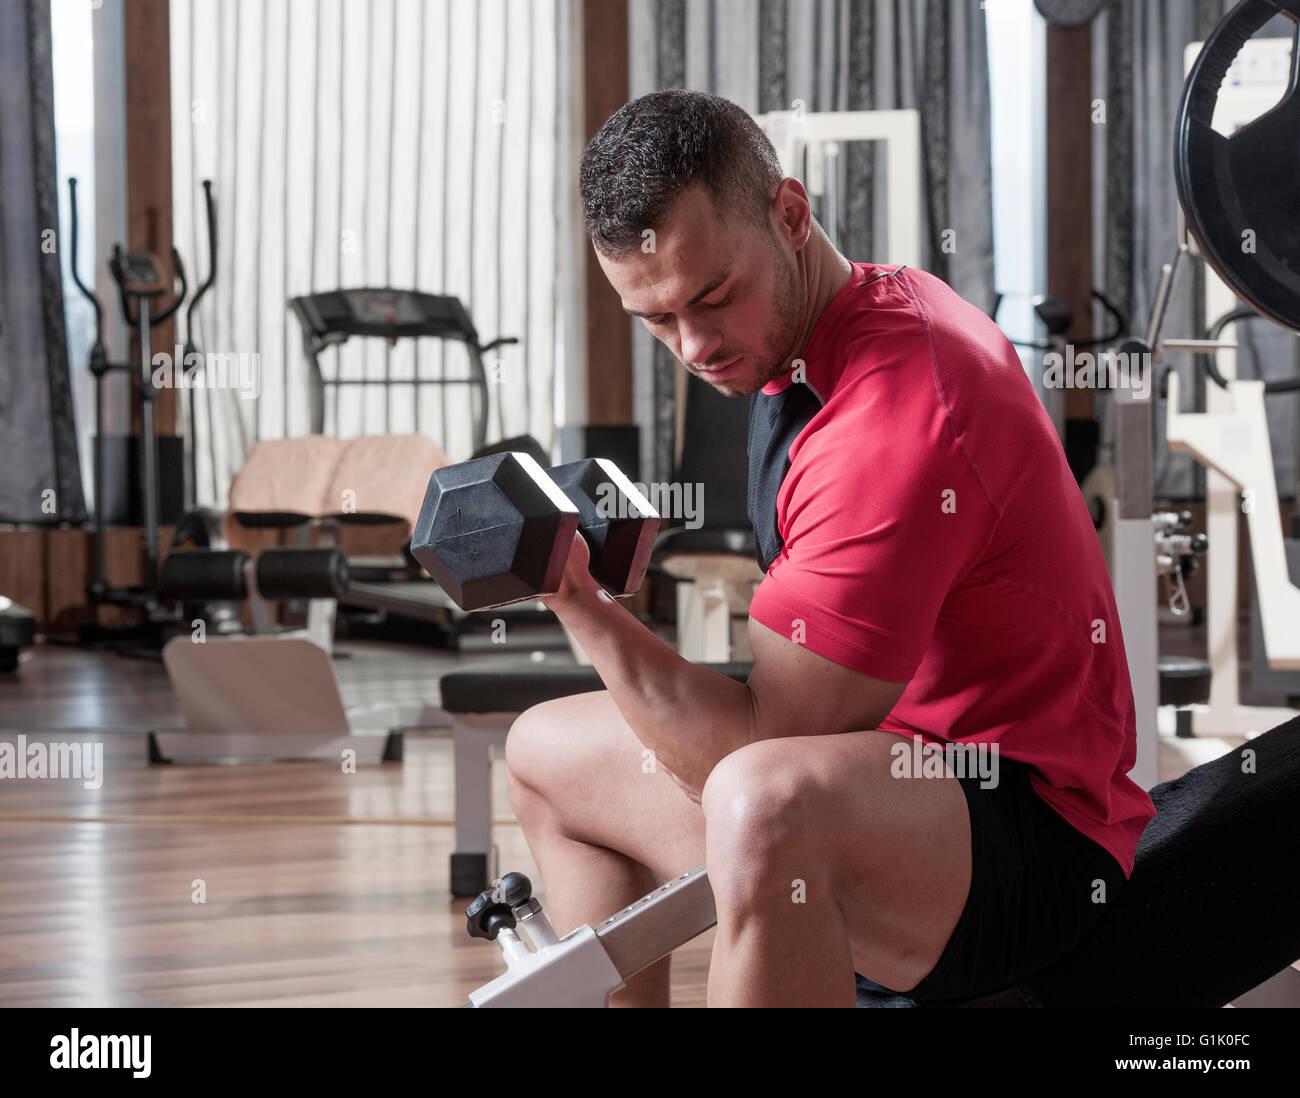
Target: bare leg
x,y
604,826
823,864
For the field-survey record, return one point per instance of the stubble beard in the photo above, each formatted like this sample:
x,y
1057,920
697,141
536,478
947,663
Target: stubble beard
x,y
787,308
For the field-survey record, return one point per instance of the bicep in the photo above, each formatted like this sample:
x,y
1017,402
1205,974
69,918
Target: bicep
x,y
796,692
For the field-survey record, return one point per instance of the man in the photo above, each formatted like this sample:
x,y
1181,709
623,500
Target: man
x,y
932,576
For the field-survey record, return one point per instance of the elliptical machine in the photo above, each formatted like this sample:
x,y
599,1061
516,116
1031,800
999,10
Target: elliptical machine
x,y
140,287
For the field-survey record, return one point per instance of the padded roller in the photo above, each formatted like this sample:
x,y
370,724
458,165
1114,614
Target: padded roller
x,y
302,573
204,574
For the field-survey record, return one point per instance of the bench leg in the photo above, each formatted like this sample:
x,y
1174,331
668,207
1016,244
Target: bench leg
x,y
473,864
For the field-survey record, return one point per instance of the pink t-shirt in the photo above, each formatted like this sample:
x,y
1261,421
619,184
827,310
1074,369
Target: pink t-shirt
x,y
933,534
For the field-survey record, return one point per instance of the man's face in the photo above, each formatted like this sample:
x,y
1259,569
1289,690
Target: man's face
x,y
725,296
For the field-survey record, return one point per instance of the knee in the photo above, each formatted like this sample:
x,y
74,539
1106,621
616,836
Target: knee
x,y
532,749
757,821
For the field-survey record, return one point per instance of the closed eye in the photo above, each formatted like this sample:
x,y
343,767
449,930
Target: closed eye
x,y
663,318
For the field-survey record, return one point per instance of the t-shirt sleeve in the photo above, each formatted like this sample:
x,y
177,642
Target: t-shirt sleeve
x,y
882,515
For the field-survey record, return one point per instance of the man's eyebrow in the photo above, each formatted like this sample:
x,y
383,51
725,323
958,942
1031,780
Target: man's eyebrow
x,y
695,300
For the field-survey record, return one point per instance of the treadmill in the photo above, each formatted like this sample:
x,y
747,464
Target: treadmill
x,y
391,596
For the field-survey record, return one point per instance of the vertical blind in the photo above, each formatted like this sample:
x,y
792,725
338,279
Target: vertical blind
x,y
415,144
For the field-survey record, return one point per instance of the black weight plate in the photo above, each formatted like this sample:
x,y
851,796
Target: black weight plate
x,y
1241,194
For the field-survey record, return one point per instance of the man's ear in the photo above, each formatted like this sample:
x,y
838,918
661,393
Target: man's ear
x,y
792,213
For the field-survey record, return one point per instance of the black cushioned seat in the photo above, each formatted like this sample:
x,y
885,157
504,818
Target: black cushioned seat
x,y
1184,681
705,540
1213,907
513,691
271,520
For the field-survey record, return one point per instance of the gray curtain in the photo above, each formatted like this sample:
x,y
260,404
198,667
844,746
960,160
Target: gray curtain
x,y
40,480
835,55
1139,49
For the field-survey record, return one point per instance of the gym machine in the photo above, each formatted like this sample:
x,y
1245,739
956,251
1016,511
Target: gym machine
x,y
272,694
1214,875
17,631
1238,211
331,318
389,597
141,288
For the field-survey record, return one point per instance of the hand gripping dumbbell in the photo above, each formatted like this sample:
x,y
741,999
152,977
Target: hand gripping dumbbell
x,y
498,529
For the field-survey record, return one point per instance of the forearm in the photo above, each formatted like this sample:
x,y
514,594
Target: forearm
x,y
689,716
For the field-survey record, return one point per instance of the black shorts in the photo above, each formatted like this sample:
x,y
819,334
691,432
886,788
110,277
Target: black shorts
x,y
1033,883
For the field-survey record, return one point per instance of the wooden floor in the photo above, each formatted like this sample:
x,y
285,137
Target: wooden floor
x,y
320,888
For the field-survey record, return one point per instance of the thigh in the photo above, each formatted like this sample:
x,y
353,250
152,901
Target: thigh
x,y
600,785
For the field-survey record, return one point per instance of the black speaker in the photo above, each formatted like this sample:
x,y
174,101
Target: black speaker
x,y
122,505
619,444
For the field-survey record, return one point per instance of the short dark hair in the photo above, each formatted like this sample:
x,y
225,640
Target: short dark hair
x,y
655,147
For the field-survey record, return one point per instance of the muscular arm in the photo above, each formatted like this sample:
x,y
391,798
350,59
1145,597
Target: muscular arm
x,y
692,717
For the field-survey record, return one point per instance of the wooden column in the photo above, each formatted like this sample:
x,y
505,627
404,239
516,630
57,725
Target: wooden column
x,y
1069,186
609,334
149,159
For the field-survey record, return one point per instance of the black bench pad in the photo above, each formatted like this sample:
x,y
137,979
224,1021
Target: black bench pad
x,y
513,691
1213,907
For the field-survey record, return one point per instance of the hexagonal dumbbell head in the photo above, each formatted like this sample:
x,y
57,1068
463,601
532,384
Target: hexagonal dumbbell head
x,y
616,519
494,530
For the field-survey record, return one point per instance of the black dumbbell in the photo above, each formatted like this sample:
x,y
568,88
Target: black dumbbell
x,y
617,521
498,529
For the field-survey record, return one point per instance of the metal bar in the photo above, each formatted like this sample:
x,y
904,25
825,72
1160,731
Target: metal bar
x,y
1164,293
148,448
480,382
1199,346
405,381
683,909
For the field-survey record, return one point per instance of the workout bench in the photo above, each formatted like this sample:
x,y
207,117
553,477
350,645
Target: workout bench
x,y
1210,916
481,706
274,694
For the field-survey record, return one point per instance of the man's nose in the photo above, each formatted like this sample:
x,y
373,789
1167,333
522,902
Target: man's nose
x,y
700,342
